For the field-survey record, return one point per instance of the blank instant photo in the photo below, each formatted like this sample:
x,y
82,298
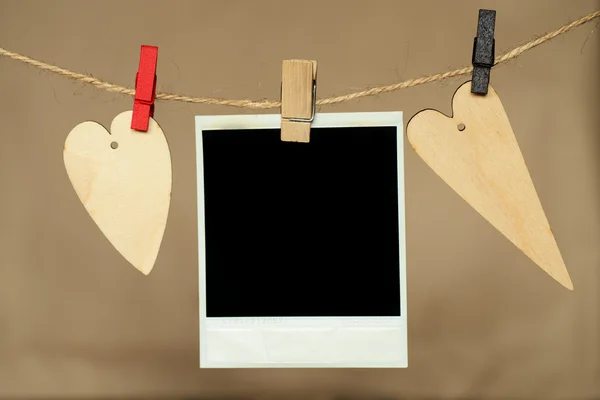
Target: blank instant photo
x,y
302,256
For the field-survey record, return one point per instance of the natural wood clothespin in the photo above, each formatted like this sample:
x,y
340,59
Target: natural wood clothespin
x,y
298,99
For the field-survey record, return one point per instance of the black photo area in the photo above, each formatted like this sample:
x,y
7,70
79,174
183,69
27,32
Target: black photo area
x,y
302,229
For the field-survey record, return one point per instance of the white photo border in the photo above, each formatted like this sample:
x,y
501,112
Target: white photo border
x,y
298,342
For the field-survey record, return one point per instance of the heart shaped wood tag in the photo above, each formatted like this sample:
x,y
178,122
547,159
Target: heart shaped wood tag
x,y
123,179
477,154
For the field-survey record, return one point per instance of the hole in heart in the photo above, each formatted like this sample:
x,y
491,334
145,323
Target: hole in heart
x,y
114,145
461,127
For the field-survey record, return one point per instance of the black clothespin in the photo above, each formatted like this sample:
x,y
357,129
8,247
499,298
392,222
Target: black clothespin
x,y
483,51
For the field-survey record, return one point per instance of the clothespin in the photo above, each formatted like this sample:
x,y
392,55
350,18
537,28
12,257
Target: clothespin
x,y
483,52
145,89
298,99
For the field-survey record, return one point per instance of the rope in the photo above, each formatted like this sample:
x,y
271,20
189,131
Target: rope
x,y
110,87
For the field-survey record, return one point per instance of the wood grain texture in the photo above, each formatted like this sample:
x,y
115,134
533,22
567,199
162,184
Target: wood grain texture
x,y
127,189
484,165
297,99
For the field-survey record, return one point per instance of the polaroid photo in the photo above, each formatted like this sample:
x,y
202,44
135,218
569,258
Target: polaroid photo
x,y
302,255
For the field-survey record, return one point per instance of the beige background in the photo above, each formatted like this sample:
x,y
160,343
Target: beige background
x,y
484,321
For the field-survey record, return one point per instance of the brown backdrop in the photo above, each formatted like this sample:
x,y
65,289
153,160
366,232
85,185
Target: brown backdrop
x,y
484,321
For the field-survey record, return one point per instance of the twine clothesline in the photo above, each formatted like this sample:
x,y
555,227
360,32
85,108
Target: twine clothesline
x,y
110,87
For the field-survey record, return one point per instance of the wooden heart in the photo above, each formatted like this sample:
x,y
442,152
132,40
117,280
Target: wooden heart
x,y
123,178
477,154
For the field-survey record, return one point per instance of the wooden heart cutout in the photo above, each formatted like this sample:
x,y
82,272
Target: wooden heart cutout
x,y
477,154
123,178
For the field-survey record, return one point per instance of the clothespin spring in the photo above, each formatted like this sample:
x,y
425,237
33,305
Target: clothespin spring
x,y
314,109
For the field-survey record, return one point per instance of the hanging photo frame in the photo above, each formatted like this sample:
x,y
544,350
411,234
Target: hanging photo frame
x,y
302,255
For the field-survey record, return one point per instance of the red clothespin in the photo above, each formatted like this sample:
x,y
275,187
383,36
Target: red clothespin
x,y
145,89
